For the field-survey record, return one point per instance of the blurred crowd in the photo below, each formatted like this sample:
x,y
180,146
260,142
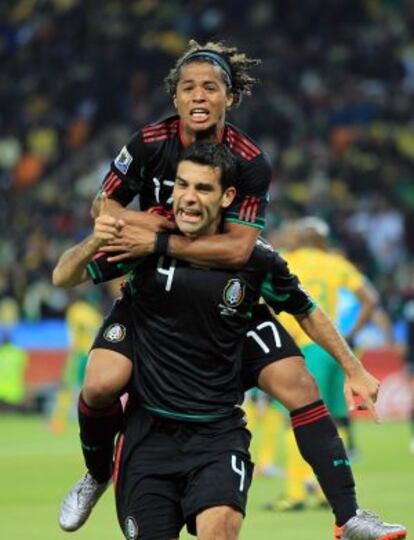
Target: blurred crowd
x,y
334,111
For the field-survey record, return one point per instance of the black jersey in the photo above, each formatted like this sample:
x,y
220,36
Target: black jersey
x,y
147,166
190,324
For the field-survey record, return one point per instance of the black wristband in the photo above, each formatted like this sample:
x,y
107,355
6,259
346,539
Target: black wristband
x,y
161,243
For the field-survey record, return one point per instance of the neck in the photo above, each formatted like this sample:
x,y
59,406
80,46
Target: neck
x,y
213,134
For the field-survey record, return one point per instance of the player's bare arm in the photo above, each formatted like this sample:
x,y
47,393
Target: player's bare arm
x,y
368,298
231,249
322,331
228,250
71,267
134,218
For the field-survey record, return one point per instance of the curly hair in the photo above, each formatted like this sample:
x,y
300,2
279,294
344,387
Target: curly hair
x,y
240,64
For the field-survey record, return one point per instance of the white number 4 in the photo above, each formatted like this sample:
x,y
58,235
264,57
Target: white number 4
x,y
241,471
254,335
169,272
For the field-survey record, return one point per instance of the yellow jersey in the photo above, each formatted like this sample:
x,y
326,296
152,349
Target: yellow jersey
x,y
83,323
323,274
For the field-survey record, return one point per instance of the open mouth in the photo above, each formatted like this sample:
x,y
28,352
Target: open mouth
x,y
189,216
199,115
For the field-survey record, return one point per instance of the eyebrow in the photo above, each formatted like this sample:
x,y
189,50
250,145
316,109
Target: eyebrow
x,y
199,184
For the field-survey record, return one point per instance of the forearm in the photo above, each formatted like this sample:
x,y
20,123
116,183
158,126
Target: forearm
x,y
225,250
368,298
71,267
319,327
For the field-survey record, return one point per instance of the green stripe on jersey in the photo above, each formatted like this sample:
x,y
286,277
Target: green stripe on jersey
x,y
256,225
183,416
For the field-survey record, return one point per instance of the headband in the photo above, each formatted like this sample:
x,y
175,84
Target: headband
x,y
213,57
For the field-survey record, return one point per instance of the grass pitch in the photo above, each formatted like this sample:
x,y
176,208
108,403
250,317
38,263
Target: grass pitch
x,y
36,469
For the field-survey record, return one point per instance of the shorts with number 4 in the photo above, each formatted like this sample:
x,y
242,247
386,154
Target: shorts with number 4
x,y
167,472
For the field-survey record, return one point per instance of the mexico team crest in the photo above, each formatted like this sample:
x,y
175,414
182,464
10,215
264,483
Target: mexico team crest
x,y
114,333
233,294
131,528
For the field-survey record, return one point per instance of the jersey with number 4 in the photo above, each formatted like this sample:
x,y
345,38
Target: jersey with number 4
x,y
190,324
146,166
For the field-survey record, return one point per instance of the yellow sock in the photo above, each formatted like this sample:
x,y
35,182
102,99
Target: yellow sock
x,y
271,422
250,409
60,411
297,470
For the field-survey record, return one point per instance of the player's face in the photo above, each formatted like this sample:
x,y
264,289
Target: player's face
x,y
201,100
198,198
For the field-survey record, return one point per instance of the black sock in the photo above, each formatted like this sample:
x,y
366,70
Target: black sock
x,y
320,445
98,428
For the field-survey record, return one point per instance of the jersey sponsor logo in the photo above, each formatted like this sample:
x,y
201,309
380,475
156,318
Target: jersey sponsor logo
x,y
131,528
115,333
123,160
233,294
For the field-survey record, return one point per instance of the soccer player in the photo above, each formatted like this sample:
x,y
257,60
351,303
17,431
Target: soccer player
x,y
206,81
312,252
192,465
83,321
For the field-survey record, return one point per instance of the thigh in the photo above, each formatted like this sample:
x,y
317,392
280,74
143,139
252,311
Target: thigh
x,y
289,382
266,342
110,363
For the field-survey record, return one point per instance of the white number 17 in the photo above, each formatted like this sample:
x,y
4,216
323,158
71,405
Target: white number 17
x,y
254,335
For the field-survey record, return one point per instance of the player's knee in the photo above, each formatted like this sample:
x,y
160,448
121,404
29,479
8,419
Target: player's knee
x,y
99,390
106,376
308,386
224,524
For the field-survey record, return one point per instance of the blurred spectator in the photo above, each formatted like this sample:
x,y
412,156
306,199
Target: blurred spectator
x,y
13,361
334,112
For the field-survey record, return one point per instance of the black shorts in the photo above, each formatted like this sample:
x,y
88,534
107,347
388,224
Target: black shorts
x,y
116,331
167,472
266,340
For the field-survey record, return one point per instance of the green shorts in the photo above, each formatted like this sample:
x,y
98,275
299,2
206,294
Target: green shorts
x,y
330,378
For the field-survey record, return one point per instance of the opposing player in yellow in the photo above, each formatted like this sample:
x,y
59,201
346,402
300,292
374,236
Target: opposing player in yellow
x,y
323,272
83,321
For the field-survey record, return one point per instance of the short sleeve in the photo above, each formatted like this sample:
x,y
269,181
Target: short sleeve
x,y
253,180
283,291
101,270
123,180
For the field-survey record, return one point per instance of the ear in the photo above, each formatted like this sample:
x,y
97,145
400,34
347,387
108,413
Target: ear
x,y
175,100
228,197
229,100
